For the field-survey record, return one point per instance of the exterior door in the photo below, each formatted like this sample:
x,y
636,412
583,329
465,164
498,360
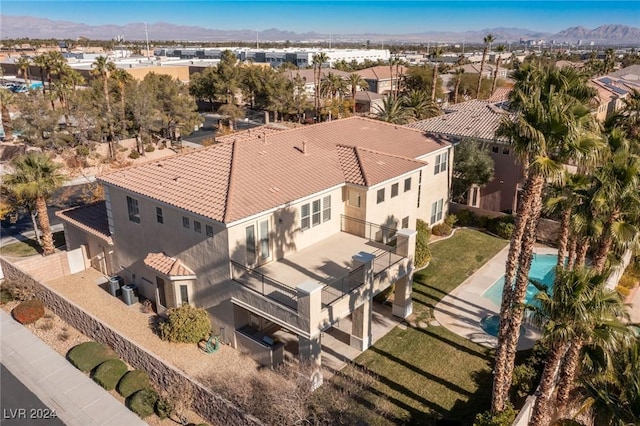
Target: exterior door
x,y
162,296
250,244
258,245
264,249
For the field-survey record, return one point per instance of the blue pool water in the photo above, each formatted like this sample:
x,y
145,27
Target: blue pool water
x,y
542,270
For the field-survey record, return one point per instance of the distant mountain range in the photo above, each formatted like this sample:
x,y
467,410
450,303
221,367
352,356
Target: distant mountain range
x,y
32,27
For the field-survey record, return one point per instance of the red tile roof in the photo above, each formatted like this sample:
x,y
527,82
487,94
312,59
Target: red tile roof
x,y
248,174
166,265
91,218
381,72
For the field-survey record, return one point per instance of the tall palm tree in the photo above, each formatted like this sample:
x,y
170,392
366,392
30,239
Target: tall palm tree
x,y
102,68
488,39
435,54
394,61
419,104
122,79
6,98
42,62
317,61
23,63
356,82
35,178
457,76
392,111
578,312
500,49
551,128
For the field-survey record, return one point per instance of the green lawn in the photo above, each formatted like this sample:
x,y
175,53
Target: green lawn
x,y
429,376
30,247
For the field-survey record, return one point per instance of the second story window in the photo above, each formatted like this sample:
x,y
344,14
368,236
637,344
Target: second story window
x,y
394,190
326,208
305,219
315,219
380,196
134,212
185,222
159,216
407,184
197,226
209,230
441,163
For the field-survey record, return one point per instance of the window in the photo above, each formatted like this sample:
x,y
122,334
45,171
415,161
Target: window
x,y
185,222
505,151
159,216
441,163
380,195
315,218
197,226
326,208
209,230
495,149
436,211
354,199
407,184
419,186
305,220
405,222
184,294
134,212
394,190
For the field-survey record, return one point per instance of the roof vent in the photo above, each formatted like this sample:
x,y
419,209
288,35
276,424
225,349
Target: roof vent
x,y
175,179
304,147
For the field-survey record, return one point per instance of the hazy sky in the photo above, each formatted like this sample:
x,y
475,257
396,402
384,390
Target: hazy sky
x,y
360,16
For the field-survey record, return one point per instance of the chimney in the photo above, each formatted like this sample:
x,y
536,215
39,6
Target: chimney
x,y
304,147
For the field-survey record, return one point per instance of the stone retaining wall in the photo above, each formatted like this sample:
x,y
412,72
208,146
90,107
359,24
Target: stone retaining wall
x,y
210,406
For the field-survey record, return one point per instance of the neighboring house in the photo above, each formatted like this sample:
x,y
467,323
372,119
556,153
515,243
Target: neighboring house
x,y
479,120
382,78
368,102
487,71
276,231
612,89
308,76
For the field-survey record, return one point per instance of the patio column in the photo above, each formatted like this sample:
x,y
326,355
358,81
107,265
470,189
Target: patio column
x,y
309,348
360,337
406,246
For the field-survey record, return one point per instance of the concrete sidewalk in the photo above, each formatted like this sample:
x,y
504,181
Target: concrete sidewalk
x,y
76,399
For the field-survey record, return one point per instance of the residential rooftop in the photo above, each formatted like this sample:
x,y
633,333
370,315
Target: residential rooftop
x,y
91,218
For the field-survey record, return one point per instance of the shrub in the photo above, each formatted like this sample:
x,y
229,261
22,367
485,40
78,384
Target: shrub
x,y
627,281
423,254
185,324
441,230
28,312
163,409
451,220
109,373
149,148
83,150
504,418
132,382
87,356
466,218
524,381
142,402
505,230
134,155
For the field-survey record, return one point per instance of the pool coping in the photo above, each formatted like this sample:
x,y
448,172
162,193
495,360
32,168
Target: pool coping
x,y
461,310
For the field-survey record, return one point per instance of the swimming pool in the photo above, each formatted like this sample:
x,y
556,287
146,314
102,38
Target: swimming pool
x,y
542,270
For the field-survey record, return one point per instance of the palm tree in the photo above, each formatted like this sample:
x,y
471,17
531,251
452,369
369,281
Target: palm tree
x,y
42,62
578,313
6,98
392,111
552,127
393,61
356,82
500,49
420,105
23,63
102,68
435,54
317,61
35,178
488,39
122,79
457,76
628,118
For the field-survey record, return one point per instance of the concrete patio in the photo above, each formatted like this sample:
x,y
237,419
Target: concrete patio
x,y
462,310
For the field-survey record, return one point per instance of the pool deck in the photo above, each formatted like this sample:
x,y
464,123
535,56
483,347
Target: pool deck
x,y
461,310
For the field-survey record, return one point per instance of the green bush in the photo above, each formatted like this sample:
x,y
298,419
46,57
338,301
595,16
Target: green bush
x,y
185,324
134,155
87,356
524,381
505,230
466,218
627,281
149,148
143,402
132,382
82,150
163,409
504,418
423,254
441,230
109,373
451,220
29,311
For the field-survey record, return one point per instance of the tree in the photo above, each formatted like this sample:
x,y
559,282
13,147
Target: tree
x,y
7,98
228,76
145,112
231,113
488,39
35,178
37,123
356,82
42,62
23,63
500,49
553,126
435,54
419,105
392,111
457,79
472,165
122,79
102,68
581,311
317,61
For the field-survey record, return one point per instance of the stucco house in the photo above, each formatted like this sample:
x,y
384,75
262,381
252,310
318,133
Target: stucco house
x,y
382,79
273,230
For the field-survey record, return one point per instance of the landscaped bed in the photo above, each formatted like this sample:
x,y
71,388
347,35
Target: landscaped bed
x,y
426,373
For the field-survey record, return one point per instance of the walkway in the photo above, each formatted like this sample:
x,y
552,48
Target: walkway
x,y
76,399
462,310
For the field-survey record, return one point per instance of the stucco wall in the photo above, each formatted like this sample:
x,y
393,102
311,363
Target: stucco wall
x,y
500,193
435,186
207,404
96,247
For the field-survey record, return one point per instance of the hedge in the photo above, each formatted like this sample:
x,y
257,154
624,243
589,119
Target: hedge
x,y
87,356
143,402
186,324
109,373
132,382
28,312
423,254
